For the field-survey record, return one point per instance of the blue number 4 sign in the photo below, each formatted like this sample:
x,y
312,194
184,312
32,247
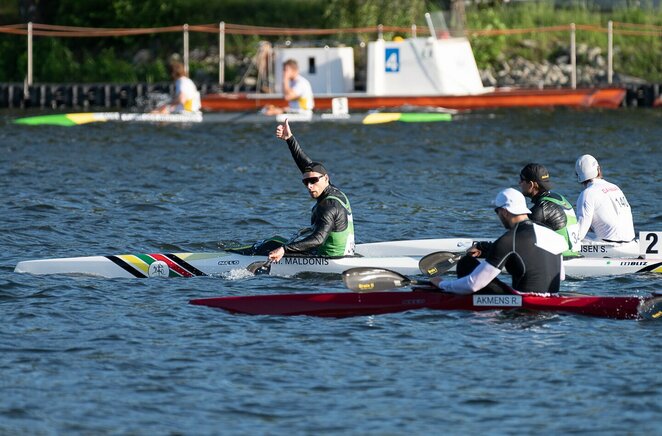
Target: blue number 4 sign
x,y
392,64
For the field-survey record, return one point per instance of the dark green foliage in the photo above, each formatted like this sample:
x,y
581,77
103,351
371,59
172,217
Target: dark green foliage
x,y
639,56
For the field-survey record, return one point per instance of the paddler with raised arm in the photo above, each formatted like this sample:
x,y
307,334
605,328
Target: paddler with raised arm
x,y
550,209
331,221
529,252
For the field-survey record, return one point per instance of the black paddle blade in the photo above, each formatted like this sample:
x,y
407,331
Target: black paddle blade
x,y
374,279
651,309
260,267
435,264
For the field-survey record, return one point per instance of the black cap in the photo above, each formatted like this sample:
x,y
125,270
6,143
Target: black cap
x,y
534,172
315,167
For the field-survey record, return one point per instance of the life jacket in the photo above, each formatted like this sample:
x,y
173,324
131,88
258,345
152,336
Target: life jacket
x,y
340,243
571,230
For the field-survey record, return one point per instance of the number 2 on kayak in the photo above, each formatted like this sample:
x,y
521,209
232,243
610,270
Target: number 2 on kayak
x,y
650,244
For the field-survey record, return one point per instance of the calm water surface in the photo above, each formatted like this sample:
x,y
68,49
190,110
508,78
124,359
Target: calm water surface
x,y
93,356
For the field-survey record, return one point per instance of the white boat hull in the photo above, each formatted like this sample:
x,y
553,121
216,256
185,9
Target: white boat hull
x,y
414,247
200,264
596,267
219,263
401,256
421,247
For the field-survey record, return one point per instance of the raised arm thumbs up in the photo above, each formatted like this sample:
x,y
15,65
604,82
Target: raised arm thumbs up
x,y
283,131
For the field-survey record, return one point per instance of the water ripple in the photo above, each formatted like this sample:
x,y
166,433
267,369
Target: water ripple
x,y
137,349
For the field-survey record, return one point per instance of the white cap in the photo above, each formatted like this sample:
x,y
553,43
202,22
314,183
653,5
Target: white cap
x,y
586,168
513,201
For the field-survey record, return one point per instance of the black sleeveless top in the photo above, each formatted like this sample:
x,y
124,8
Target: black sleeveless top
x,y
533,269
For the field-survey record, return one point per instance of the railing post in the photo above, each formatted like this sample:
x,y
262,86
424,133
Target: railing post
x,y
428,19
221,54
413,30
271,79
610,51
186,49
29,78
573,56
380,31
328,70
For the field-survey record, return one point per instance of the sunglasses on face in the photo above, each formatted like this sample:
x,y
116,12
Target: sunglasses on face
x,y
310,180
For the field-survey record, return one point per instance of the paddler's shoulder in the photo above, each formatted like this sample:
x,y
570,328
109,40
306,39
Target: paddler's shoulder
x,y
334,191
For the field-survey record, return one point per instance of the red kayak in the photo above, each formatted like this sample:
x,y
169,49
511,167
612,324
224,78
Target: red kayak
x,y
344,304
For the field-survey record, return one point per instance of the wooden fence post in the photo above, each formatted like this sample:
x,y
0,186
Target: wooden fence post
x,y
221,54
573,56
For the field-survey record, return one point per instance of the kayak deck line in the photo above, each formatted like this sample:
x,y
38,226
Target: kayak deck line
x,y
348,304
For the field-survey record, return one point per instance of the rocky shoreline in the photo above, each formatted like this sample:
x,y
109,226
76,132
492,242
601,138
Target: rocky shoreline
x,y
521,72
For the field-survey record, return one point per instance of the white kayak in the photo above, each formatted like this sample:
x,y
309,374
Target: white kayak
x,y
400,256
589,248
414,247
75,119
421,247
203,264
609,266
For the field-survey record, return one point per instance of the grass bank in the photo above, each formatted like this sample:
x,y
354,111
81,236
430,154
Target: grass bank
x,y
634,55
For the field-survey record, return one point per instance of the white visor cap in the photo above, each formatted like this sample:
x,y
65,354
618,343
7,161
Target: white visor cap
x,y
513,201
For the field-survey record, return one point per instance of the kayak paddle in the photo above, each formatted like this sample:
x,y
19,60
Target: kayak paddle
x,y
435,264
264,266
366,279
260,267
651,309
377,279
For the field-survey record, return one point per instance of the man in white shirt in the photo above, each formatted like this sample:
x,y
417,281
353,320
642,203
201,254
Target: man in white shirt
x,y
601,206
187,97
296,90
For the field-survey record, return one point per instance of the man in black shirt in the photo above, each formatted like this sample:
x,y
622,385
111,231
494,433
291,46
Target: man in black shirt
x,y
331,222
550,208
529,252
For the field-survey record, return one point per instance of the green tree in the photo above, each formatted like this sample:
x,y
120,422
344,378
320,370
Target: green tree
x,y
361,13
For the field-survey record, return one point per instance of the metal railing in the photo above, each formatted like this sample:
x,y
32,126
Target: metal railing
x,y
31,30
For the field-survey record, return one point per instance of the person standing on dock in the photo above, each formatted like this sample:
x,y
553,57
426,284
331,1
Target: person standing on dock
x,y
187,97
601,206
296,90
550,208
332,225
529,252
